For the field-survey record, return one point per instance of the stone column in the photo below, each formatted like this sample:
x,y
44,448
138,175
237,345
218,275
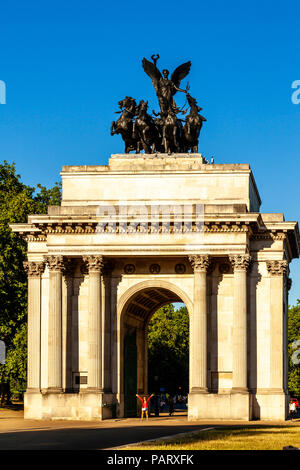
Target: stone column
x,y
115,376
198,326
67,321
56,266
277,270
140,335
106,328
95,265
286,331
34,272
240,264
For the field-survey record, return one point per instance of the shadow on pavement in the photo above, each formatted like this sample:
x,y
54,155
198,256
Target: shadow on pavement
x,y
87,439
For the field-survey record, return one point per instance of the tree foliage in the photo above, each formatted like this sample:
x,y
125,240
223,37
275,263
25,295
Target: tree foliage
x,y
168,349
294,350
17,201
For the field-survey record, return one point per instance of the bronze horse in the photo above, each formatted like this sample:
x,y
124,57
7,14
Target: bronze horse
x,y
171,131
146,130
192,127
125,125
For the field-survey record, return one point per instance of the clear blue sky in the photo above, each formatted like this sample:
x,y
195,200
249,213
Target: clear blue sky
x,y
67,64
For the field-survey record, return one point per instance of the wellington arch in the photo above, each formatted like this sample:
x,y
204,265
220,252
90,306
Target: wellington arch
x,y
138,233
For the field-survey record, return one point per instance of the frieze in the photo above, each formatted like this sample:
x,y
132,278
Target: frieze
x,y
224,268
180,268
129,269
154,268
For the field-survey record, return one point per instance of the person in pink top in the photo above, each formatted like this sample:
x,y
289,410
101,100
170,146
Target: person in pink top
x,y
145,402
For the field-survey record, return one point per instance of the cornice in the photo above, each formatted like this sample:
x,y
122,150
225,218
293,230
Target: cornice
x,y
39,232
249,223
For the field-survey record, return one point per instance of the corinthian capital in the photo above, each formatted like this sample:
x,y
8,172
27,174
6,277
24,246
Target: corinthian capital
x,y
94,262
199,262
34,268
55,263
240,262
277,267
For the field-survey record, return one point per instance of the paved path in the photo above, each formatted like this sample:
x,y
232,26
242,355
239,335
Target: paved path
x,y
19,434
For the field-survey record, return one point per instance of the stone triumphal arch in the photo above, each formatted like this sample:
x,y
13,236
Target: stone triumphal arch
x,y
131,236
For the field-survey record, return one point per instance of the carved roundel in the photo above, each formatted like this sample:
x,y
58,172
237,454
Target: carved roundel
x,y
180,268
224,268
129,269
154,269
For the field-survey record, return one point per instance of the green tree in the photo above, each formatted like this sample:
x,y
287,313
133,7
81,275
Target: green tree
x,y
168,342
17,201
294,351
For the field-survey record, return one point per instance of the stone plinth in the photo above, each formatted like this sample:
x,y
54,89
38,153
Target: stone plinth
x,y
81,406
186,179
235,406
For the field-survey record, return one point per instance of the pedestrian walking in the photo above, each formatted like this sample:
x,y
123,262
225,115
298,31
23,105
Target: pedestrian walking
x,y
296,401
145,402
292,409
171,406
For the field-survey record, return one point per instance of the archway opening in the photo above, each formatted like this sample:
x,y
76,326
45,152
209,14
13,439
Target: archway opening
x,y
155,348
168,354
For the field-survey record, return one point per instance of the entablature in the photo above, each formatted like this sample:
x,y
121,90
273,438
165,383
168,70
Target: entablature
x,y
41,226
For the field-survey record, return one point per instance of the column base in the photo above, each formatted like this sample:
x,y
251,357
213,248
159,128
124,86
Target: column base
x,y
92,390
240,390
51,390
270,404
199,390
235,406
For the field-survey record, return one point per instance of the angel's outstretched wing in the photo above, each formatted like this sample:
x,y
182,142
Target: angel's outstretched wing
x,y
152,71
180,73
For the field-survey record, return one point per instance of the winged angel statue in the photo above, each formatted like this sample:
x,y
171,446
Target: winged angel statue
x,y
166,88
164,131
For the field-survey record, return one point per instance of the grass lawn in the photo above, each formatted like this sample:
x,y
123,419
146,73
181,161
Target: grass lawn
x,y
229,438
